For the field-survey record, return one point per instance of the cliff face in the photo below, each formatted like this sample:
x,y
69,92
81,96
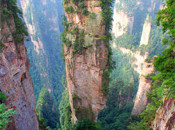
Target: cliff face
x,y
15,80
165,116
86,60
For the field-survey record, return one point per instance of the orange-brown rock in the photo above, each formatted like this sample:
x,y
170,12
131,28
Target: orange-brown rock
x,y
165,116
85,67
15,80
144,87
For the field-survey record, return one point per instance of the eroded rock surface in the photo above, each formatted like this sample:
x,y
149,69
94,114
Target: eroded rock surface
x,y
165,116
85,67
15,80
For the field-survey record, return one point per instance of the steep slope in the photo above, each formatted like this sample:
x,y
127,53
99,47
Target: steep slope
x,y
15,80
43,20
87,56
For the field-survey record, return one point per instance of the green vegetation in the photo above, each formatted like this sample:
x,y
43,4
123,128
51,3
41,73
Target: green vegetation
x,y
85,124
78,43
65,112
47,66
116,115
46,110
5,113
107,13
12,10
148,60
107,18
80,7
83,112
1,46
164,81
92,15
149,76
84,11
69,9
124,69
131,40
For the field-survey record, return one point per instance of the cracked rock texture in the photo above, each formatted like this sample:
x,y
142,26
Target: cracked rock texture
x,y
15,80
165,116
84,70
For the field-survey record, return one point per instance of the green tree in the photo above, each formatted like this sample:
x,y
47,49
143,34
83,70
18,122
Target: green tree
x,y
5,113
65,112
46,110
85,124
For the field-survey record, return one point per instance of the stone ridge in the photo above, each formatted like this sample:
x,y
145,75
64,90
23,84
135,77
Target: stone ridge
x,y
86,58
15,80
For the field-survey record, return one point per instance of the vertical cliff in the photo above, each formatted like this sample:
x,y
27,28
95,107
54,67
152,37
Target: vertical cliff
x,y
86,49
15,80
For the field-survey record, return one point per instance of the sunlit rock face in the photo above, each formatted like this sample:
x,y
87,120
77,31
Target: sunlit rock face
x,y
165,116
85,70
15,80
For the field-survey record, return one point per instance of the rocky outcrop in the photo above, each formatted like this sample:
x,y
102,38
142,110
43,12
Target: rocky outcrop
x,y
165,116
146,32
86,58
141,98
15,80
145,69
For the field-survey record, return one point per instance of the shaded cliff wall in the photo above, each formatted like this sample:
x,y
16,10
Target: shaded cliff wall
x,y
15,80
43,20
139,39
86,49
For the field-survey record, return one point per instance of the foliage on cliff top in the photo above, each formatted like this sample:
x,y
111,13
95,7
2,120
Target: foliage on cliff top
x,y
164,81
107,13
119,106
12,9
